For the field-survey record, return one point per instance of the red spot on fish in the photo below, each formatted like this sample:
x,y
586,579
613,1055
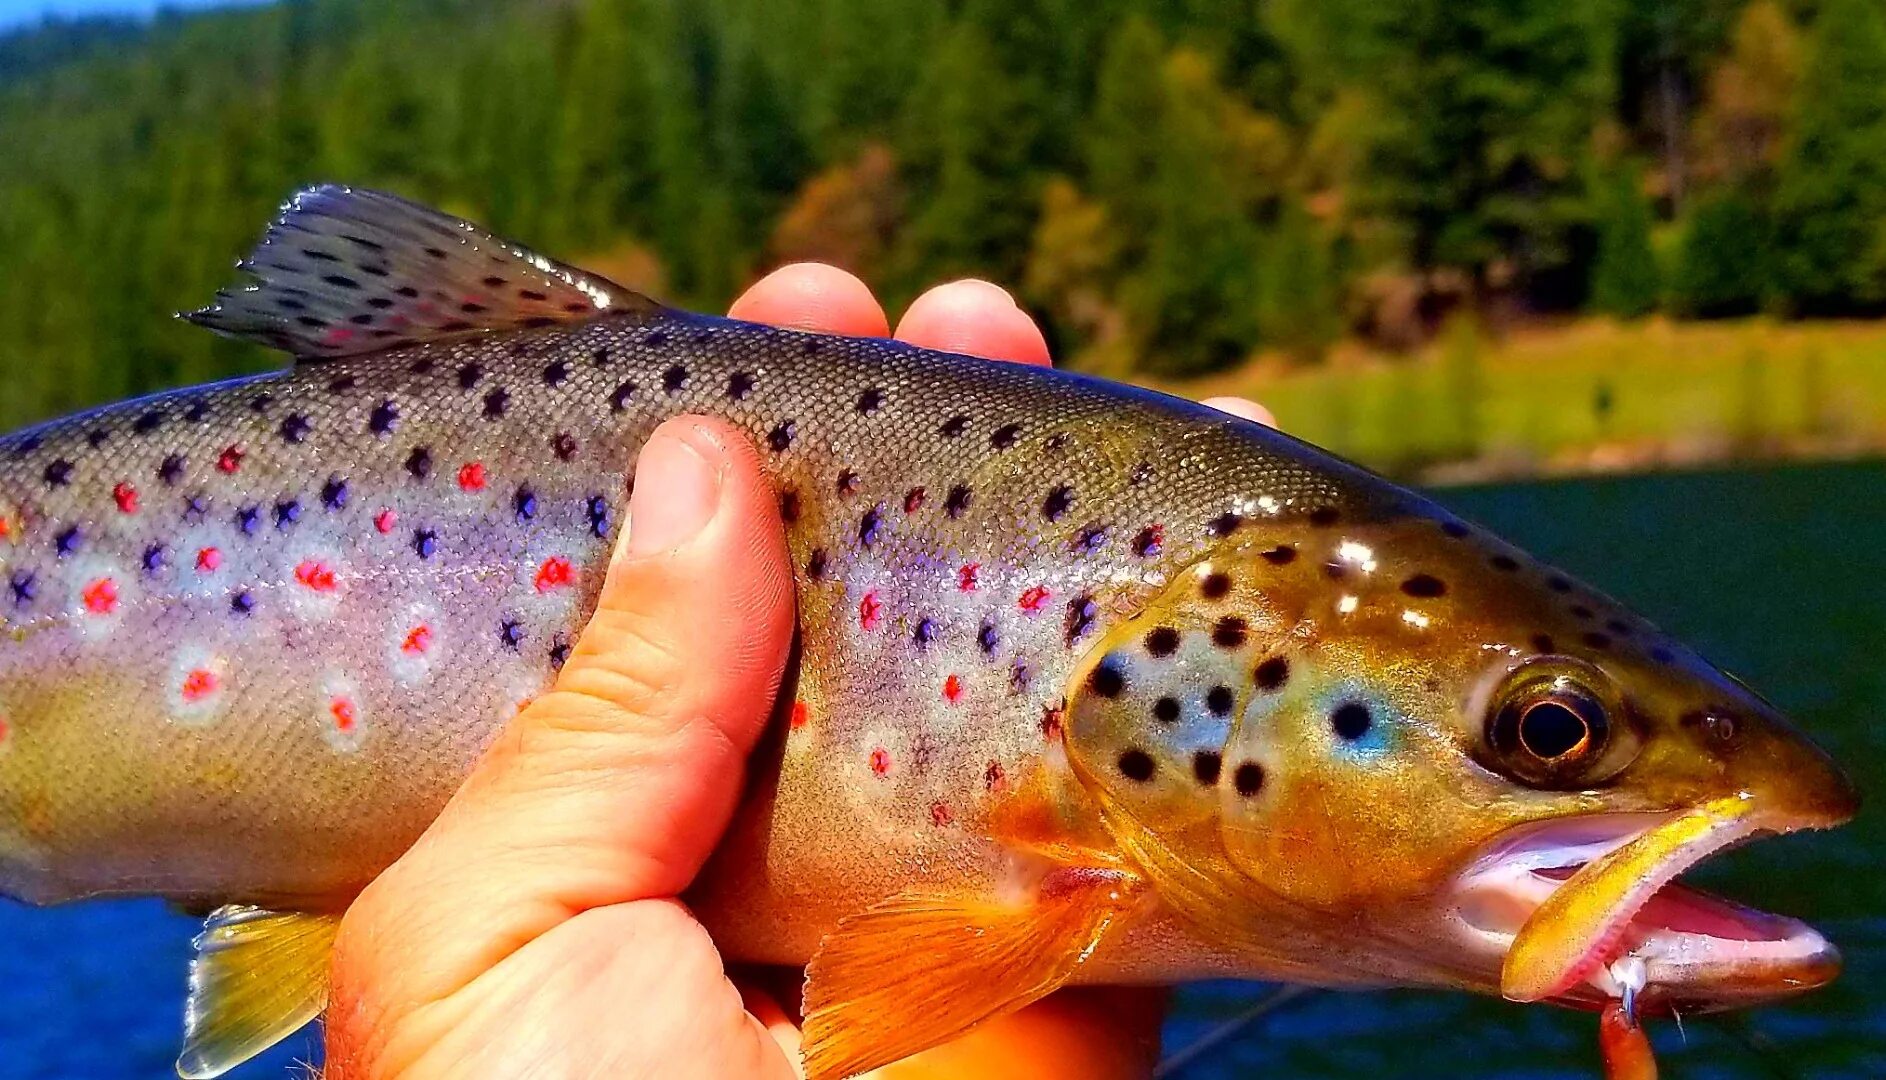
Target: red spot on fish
x,y
209,560
966,577
316,575
1034,598
913,500
198,684
555,573
800,714
100,597
338,335
418,641
940,814
346,715
994,778
230,460
952,689
1051,718
870,611
471,476
126,497
880,761
385,520
6,728
6,529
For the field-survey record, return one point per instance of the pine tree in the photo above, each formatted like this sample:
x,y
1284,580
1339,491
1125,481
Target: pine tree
x,y
1624,279
1831,199
1723,265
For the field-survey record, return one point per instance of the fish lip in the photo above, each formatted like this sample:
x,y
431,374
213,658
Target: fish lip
x,y
1753,956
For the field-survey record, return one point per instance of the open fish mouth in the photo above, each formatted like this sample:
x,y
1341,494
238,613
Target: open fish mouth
x,y
1580,907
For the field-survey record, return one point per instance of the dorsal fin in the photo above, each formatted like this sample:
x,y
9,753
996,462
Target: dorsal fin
x,y
345,271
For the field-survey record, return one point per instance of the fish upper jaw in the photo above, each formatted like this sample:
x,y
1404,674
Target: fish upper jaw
x,y
1536,912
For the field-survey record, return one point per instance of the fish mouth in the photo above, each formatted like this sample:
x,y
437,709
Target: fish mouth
x,y
1572,905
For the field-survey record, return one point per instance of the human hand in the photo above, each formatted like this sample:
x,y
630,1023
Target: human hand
x,y
534,929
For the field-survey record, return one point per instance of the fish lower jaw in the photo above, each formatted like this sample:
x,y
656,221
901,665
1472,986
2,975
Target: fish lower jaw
x,y
1698,952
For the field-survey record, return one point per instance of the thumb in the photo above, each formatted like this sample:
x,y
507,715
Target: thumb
x,y
615,785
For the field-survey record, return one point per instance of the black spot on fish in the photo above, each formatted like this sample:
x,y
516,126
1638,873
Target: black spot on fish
x,y
198,412
497,402
620,398
1089,539
1424,586
494,282
556,373
1205,767
243,603
469,375
1224,524
1005,436
1559,584
598,517
511,634
1218,700
739,385
1060,499
1281,555
870,401
988,639
1081,613
1351,720
1597,640
25,586
655,339
171,470
954,426
847,482
1662,655
1136,765
341,384
1229,632
194,509
815,564
924,633
563,445
559,653
780,438
1106,681
1582,612
58,474
1618,627
153,560
248,519
295,429
419,463
1248,778
871,527
1272,673
1455,529
384,419
1504,563
425,543
1166,710
536,297
411,293
674,379
334,493
311,322
1141,475
524,505
957,501
1162,641
472,307
1148,541
1325,516
1543,643
601,356
340,281
148,423
1215,585
97,437
287,513
789,505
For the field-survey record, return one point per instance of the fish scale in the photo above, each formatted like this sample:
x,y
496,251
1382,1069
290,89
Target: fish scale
x,y
1093,684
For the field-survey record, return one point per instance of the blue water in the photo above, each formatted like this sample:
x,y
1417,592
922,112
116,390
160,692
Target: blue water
x,y
1780,574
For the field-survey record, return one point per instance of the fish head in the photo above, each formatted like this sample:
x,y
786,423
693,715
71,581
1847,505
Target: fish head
x,y
1410,754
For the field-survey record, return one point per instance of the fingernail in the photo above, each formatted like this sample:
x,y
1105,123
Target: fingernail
x,y
677,490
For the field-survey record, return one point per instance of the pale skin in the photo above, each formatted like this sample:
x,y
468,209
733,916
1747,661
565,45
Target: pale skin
x,y
534,930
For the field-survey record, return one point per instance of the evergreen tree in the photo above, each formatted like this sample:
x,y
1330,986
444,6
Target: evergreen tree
x,y
1624,279
1831,199
1723,265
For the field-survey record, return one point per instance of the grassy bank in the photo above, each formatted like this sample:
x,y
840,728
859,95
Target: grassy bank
x,y
1591,395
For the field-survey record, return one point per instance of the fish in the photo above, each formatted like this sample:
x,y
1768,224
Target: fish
x,y
1093,684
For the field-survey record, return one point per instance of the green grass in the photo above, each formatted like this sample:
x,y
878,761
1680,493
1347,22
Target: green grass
x,y
1679,393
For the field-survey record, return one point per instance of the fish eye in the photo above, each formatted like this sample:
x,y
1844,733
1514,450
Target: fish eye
x,y
1550,730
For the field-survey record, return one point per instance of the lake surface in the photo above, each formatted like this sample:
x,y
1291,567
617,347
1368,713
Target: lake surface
x,y
1777,574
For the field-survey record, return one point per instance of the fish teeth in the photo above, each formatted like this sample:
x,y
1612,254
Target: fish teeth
x,y
1630,974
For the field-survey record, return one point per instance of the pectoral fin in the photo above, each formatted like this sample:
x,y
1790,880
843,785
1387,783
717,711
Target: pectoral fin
x,y
258,975
918,969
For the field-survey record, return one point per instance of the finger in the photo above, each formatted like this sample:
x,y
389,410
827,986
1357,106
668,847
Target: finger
x,y
616,784
977,318
813,296
1244,407
1084,1033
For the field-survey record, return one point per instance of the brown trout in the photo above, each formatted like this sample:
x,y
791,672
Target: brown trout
x,y
1095,685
